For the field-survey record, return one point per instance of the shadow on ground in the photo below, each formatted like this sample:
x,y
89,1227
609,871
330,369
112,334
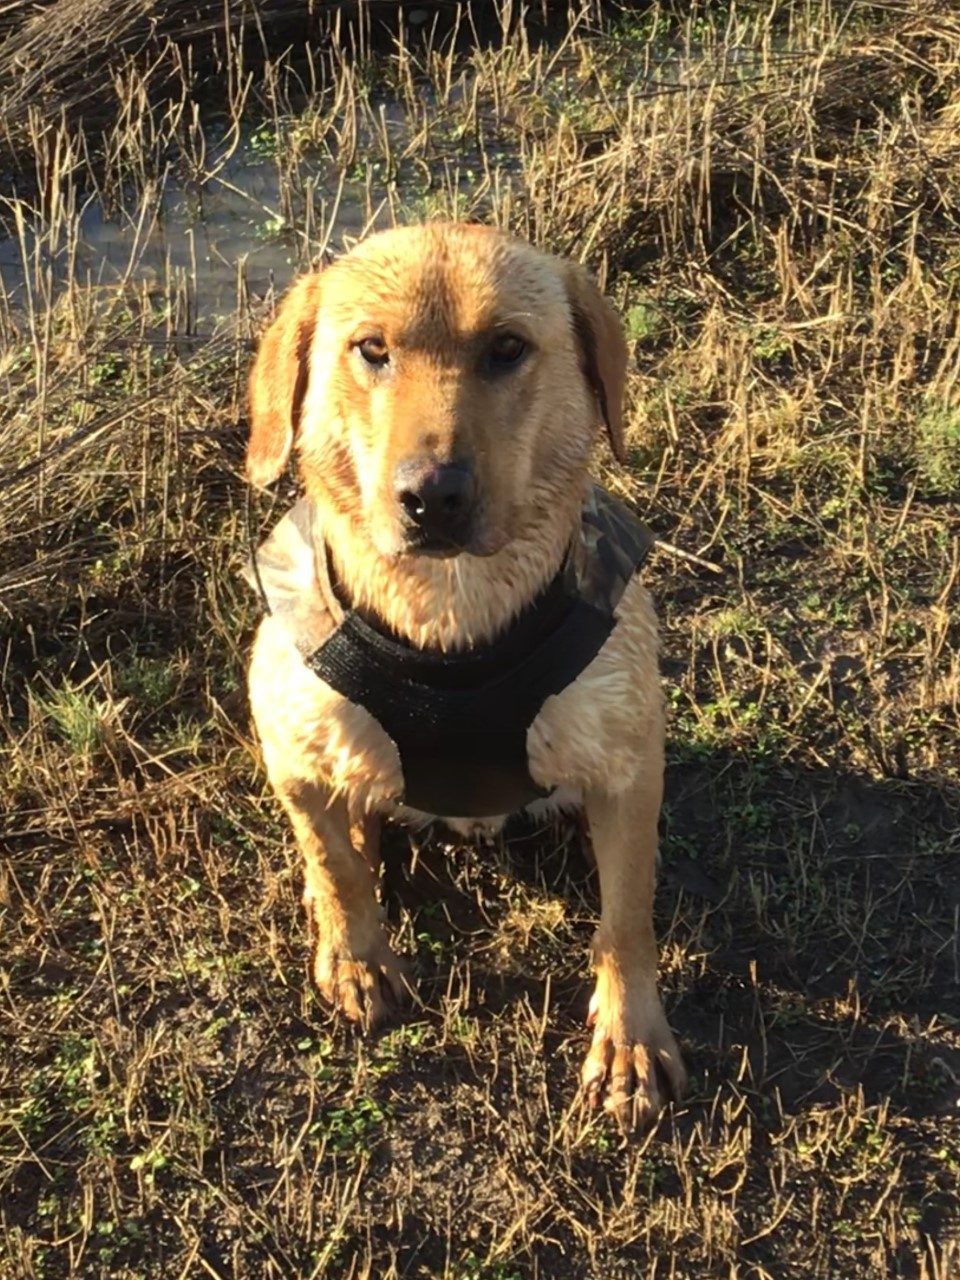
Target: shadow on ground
x,y
182,1093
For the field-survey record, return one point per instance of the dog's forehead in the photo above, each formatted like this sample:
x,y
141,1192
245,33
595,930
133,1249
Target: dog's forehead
x,y
445,283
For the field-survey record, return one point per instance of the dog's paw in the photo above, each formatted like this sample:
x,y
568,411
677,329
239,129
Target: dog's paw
x,y
366,989
633,1068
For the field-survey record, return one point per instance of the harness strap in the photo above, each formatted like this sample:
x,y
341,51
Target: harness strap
x,y
461,725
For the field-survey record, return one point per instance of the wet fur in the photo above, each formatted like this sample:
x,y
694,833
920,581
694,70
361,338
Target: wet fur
x,y
436,294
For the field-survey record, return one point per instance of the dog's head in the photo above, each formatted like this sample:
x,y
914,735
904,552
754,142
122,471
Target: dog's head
x,y
442,385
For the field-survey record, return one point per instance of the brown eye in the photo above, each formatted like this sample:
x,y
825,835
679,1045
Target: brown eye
x,y
374,351
506,350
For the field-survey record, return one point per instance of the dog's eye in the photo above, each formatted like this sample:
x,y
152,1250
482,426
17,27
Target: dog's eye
x,y
506,350
374,351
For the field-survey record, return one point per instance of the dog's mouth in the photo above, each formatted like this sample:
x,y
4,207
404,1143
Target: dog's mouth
x,y
436,546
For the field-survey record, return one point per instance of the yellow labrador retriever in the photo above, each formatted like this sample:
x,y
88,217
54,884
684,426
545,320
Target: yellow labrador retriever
x,y
455,626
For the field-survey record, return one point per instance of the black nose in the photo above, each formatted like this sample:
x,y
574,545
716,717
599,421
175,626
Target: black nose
x,y
437,499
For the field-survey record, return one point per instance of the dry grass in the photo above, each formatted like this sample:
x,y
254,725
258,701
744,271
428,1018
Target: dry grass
x,y
776,211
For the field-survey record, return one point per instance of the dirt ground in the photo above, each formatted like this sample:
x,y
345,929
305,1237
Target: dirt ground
x,y
780,232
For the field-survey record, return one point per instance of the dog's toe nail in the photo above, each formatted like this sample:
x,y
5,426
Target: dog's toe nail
x,y
593,1089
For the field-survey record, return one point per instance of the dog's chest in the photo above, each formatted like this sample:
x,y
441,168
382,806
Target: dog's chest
x,y
476,736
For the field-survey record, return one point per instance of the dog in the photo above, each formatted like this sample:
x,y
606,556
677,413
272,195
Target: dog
x,y
436,643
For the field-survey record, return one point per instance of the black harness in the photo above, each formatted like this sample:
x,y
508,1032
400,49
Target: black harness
x,y
460,720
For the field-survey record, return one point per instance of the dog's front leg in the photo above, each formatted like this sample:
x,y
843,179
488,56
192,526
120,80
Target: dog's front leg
x,y
630,1032
353,964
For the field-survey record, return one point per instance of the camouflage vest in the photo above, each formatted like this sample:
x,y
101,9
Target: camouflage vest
x,y
459,720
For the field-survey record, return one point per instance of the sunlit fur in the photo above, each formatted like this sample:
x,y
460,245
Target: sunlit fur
x,y
435,295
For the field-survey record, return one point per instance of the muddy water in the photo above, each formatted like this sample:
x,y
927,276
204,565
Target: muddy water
x,y
209,239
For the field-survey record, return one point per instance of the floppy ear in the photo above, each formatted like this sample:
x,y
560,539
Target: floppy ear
x,y
278,381
603,351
